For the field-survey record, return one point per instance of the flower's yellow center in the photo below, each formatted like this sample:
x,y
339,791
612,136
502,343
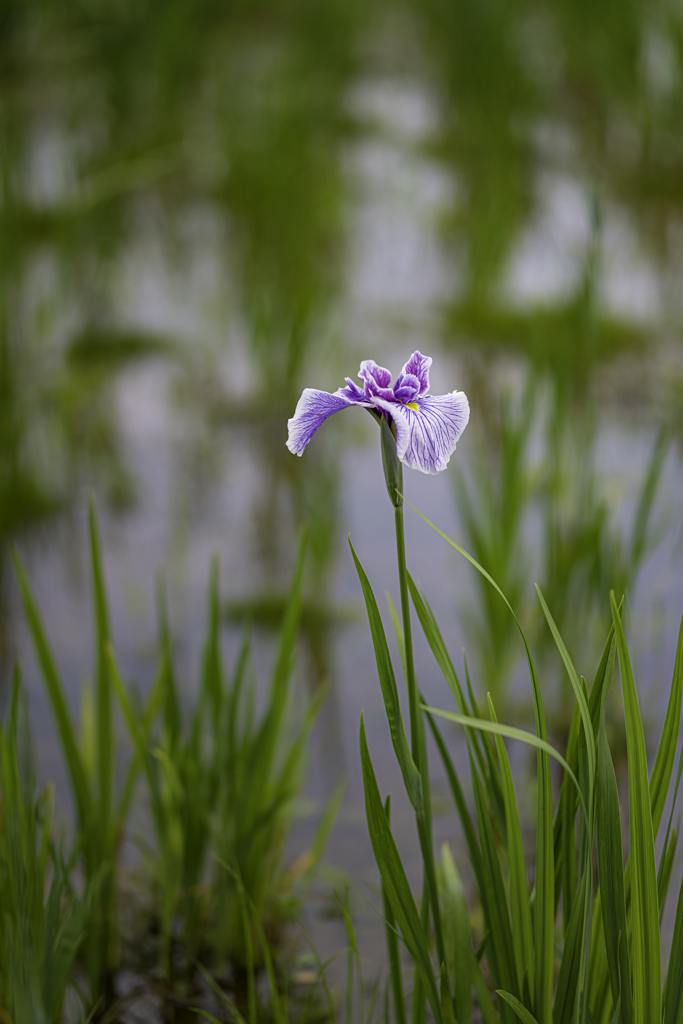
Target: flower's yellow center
x,y
412,405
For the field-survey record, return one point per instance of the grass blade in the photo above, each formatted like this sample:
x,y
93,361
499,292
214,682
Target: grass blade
x,y
512,733
611,868
393,950
565,815
644,902
568,981
387,680
673,991
60,709
521,1011
459,798
437,645
394,879
447,1013
500,951
576,686
544,903
666,751
463,963
105,728
520,910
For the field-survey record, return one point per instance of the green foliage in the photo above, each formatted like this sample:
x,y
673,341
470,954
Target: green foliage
x,y
600,960
221,780
221,786
90,760
42,921
578,549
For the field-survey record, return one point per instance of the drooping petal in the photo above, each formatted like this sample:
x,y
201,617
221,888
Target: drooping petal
x,y
375,377
427,433
312,409
418,366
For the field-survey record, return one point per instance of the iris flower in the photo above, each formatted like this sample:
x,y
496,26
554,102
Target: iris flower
x,y
427,427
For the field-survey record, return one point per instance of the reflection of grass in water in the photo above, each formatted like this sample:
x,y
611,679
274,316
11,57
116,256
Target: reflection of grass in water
x,y
267,611
549,336
579,548
244,111
178,105
23,497
97,348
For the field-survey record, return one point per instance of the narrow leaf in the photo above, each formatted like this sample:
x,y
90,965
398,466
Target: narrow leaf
x,y
611,867
387,680
53,684
666,751
105,730
393,952
520,911
511,732
673,992
520,1010
394,879
644,903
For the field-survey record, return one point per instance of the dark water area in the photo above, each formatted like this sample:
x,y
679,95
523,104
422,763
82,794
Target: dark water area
x,y
207,207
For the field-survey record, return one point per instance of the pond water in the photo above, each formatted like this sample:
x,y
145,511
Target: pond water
x,y
205,210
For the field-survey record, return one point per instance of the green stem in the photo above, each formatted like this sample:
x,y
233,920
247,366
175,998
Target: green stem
x,y
408,638
423,816
393,477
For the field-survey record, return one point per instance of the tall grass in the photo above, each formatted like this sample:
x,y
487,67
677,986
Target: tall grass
x,y
221,781
597,960
579,548
90,760
42,921
220,774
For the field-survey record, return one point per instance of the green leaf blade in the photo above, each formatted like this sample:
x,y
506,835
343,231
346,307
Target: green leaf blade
x,y
611,868
394,879
387,680
644,901
520,909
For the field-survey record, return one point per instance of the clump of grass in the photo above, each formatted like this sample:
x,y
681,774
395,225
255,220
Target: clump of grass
x,y
90,755
598,960
220,777
221,783
580,548
42,921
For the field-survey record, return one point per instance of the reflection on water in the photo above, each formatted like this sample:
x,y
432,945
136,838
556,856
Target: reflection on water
x,y
206,208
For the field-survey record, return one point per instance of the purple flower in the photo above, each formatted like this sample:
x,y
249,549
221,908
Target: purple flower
x,y
427,426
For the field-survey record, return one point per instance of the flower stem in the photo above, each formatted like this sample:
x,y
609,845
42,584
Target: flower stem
x,y
423,816
407,638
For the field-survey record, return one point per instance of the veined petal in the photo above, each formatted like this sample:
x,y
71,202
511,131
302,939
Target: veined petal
x,y
418,366
312,409
407,388
374,376
427,433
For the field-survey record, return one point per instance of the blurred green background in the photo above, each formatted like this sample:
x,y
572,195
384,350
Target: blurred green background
x,y
207,206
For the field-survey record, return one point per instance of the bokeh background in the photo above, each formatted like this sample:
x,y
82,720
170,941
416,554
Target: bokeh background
x,y
208,205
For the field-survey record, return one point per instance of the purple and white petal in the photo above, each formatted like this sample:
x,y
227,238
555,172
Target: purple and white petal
x,y
352,390
312,409
426,436
407,388
418,366
375,377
